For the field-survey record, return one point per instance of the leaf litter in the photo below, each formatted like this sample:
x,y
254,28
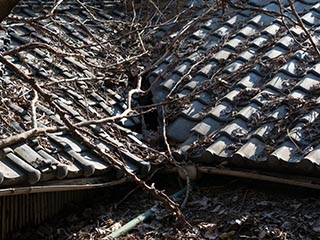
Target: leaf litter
x,y
236,210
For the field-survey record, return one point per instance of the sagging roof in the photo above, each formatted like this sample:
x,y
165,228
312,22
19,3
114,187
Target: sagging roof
x,y
244,87
67,54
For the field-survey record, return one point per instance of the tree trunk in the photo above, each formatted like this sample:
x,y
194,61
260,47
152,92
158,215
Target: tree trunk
x,y
6,7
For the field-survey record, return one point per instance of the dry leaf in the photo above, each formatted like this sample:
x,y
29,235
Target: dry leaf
x,y
227,235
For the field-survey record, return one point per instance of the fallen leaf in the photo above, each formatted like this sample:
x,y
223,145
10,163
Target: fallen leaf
x,y
203,203
262,234
216,209
316,227
100,231
227,235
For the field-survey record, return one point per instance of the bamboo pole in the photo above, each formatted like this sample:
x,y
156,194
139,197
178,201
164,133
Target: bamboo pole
x,y
134,222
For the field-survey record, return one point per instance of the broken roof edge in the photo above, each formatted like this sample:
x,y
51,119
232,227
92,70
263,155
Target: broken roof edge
x,y
61,186
290,180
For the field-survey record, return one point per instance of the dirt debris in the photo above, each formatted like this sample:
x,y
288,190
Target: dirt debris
x,y
226,209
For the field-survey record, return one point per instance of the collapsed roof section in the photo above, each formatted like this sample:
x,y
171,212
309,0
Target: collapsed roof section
x,y
244,87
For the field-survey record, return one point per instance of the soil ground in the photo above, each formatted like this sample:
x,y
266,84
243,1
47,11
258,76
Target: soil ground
x,y
217,208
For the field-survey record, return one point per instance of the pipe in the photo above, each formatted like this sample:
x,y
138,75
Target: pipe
x,y
134,222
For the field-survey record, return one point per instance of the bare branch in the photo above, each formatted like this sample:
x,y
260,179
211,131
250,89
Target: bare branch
x,y
301,24
183,169
55,6
28,135
38,45
34,109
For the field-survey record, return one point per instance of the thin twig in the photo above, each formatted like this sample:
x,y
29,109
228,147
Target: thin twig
x,y
55,6
172,159
79,79
301,24
87,10
156,7
34,109
136,188
185,75
128,59
38,45
285,24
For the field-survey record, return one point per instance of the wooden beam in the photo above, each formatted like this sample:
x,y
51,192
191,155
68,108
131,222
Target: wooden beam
x,y
261,177
59,187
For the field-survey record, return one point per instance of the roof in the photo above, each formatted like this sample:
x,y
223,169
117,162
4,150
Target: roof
x,y
244,88
237,87
67,54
